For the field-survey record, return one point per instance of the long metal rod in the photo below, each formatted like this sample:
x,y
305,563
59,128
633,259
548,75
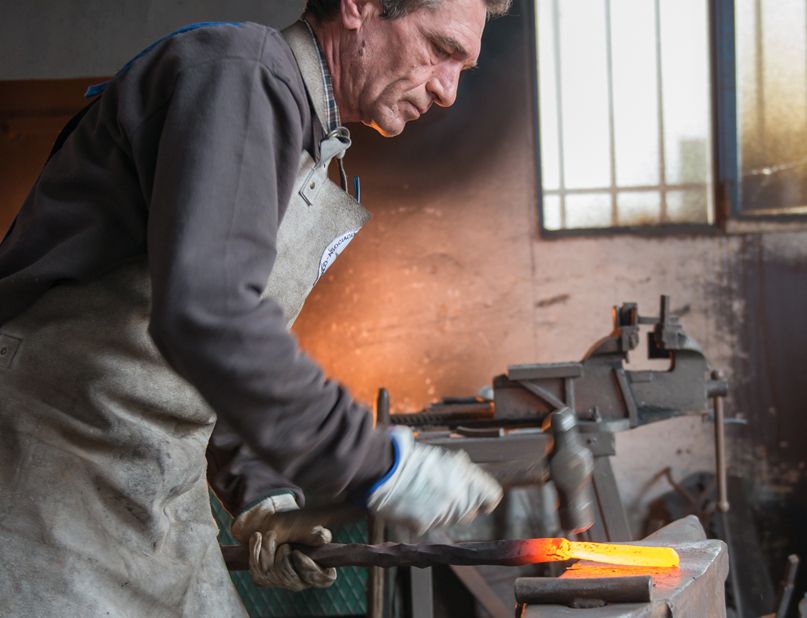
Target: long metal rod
x,y
720,455
386,555
501,553
720,442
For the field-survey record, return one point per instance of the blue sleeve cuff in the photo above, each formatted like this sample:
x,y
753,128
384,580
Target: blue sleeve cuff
x,y
396,461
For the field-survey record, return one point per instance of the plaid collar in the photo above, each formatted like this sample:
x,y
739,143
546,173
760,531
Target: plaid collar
x,y
332,118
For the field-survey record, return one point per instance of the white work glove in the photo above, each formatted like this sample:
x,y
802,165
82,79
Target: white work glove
x,y
272,561
429,487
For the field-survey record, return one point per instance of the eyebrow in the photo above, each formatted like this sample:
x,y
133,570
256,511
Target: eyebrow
x,y
452,45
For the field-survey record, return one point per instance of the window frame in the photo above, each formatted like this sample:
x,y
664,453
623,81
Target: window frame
x,y
725,148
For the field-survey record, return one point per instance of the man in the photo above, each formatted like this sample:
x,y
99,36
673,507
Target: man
x,y
146,288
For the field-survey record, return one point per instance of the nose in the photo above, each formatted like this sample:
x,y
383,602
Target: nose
x,y
443,84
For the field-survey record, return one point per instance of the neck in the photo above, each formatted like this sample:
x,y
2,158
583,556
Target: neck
x,y
329,37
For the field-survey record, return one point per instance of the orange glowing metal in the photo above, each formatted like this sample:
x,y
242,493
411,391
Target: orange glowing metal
x,y
554,550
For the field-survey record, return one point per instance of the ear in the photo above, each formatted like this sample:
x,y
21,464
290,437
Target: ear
x,y
353,13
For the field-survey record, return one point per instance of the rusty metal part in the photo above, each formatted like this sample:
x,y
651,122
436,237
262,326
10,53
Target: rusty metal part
x,y
571,466
558,591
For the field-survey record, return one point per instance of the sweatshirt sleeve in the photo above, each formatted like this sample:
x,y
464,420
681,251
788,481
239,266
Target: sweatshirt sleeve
x,y
239,478
225,165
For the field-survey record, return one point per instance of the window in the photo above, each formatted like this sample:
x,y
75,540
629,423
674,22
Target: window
x,y
771,73
626,109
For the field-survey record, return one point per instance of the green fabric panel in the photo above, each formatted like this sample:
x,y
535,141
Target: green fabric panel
x,y
347,597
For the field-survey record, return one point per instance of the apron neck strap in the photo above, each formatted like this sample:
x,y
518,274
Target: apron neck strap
x,y
306,54
305,51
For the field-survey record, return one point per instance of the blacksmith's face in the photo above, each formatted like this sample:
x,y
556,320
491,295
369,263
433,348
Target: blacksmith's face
x,y
404,65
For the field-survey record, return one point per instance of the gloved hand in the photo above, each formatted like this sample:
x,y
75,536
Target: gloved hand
x,y
272,561
428,487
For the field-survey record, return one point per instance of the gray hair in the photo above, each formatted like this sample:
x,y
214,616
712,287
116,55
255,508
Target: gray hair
x,y
324,10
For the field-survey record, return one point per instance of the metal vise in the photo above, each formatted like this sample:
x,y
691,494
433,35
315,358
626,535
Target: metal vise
x,y
600,389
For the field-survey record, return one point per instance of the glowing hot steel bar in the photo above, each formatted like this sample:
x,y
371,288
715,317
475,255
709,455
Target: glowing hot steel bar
x,y
506,553
554,550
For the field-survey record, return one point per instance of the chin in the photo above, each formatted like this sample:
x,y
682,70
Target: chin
x,y
388,121
387,130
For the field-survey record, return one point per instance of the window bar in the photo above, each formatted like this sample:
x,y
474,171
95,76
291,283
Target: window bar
x,y
725,153
684,186
559,106
660,95
611,121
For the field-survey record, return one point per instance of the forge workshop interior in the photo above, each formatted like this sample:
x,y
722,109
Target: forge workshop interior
x,y
583,285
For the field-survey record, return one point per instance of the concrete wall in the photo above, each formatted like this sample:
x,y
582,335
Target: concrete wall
x,y
450,282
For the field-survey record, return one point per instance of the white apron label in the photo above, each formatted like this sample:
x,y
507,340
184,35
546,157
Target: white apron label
x,y
333,250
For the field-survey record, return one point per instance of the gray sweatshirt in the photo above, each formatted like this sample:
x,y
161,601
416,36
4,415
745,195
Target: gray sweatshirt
x,y
189,158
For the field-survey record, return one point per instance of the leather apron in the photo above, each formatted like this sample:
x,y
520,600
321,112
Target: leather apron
x,y
104,507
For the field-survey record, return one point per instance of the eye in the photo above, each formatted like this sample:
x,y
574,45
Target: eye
x,y
441,52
